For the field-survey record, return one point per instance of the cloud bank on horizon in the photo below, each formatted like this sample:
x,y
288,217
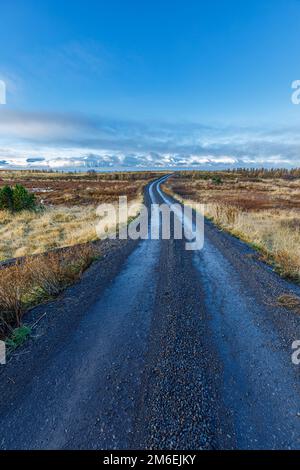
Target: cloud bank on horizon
x,y
68,141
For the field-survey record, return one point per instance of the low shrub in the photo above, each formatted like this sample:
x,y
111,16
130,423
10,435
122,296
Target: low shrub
x,y
18,336
16,199
217,179
38,278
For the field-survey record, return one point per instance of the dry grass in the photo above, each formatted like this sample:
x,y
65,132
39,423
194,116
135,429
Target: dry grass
x,y
263,212
68,218
69,189
29,233
241,191
69,208
35,279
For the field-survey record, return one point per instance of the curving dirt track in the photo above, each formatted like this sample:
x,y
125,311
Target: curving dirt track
x,y
162,348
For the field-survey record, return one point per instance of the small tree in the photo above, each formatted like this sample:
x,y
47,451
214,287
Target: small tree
x,y
22,199
6,198
216,179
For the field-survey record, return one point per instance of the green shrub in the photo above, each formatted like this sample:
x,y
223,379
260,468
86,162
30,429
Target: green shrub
x,y
22,198
6,198
217,180
18,337
16,199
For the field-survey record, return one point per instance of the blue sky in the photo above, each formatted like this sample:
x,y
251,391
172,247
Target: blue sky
x,y
128,83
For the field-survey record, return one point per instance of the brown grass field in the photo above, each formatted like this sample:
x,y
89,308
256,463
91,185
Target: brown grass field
x,y
261,207
68,214
33,280
66,218
69,189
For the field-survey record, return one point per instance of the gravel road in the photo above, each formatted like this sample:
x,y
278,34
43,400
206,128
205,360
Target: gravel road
x,y
158,347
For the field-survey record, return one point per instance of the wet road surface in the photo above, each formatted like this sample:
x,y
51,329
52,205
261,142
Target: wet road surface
x,y
163,348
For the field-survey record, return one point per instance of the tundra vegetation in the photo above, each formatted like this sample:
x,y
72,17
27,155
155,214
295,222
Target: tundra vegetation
x,y
262,207
48,223
67,203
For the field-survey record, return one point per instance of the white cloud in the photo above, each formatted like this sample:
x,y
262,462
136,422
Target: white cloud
x,y
77,141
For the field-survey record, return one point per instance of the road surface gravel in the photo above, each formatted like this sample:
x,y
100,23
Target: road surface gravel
x,y
158,347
